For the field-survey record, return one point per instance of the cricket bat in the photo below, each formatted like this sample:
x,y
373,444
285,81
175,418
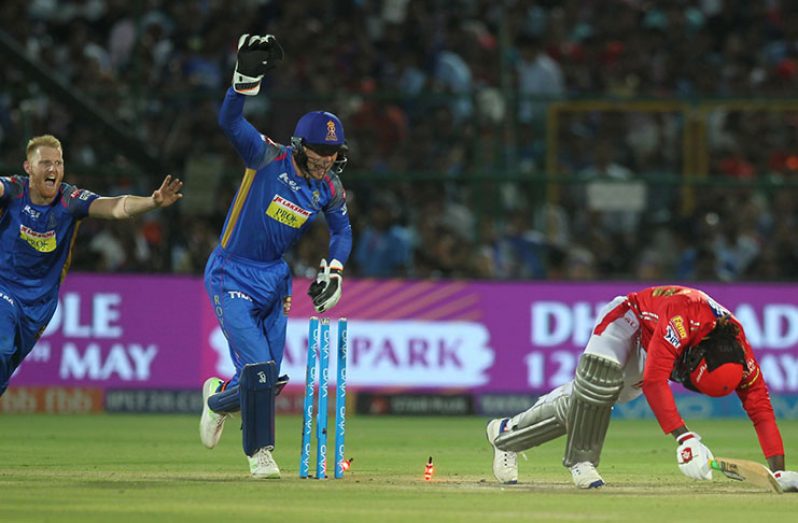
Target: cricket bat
x,y
749,471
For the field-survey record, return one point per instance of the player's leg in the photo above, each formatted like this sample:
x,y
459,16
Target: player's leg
x,y
247,315
257,387
258,416
597,386
275,327
10,350
239,319
237,314
20,328
544,421
214,414
633,375
614,337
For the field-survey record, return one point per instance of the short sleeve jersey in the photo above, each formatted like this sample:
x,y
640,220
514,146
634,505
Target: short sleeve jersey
x,y
36,240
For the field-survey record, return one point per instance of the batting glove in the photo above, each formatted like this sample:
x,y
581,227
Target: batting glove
x,y
788,480
694,457
256,55
325,291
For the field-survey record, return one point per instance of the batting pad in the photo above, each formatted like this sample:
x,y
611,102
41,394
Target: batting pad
x,y
256,389
597,385
225,401
543,422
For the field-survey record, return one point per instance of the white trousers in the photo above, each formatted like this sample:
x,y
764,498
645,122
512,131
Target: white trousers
x,y
619,341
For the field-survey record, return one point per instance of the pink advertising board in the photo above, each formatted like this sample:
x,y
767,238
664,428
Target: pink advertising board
x,y
160,332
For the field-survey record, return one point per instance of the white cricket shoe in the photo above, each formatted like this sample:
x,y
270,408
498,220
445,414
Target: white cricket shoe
x,y
505,464
586,476
263,466
211,423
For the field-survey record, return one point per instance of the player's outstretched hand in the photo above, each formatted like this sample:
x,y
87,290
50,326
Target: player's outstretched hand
x,y
788,480
325,291
256,56
694,457
168,193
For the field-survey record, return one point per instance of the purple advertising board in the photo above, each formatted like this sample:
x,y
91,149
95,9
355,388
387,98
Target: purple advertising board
x,y
120,332
455,336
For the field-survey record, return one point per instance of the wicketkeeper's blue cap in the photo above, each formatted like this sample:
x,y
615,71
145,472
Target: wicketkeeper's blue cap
x,y
320,128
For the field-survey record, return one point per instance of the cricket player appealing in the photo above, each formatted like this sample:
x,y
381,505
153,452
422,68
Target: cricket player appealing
x,y
248,281
639,342
39,219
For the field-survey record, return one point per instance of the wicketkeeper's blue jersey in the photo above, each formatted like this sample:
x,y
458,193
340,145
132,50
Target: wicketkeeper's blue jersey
x,y
36,240
274,205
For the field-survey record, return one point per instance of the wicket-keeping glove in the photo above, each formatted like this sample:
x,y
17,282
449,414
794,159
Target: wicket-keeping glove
x,y
694,457
325,291
787,479
256,55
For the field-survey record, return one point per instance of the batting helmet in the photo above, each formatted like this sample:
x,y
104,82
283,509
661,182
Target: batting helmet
x,y
719,382
718,361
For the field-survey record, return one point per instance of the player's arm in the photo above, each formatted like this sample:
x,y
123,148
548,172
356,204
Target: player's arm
x,y
248,142
340,235
10,186
755,399
692,456
256,56
660,358
127,206
326,289
336,214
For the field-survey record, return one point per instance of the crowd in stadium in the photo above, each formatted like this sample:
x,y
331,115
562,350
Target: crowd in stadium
x,y
421,87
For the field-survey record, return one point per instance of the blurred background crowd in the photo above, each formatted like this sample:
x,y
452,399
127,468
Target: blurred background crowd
x,y
501,139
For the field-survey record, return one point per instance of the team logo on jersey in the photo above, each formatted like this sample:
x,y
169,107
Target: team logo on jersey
x,y
316,198
31,211
678,325
283,177
671,337
287,213
7,298
41,241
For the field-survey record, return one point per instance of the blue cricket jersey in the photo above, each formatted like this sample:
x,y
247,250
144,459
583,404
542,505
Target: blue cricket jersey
x,y
274,206
36,240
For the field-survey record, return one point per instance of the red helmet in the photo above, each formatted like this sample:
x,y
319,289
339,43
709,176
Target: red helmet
x,y
718,382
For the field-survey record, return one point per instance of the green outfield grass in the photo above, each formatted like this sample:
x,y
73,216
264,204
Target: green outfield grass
x,y
115,468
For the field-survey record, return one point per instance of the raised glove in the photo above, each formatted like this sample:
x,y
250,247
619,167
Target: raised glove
x,y
256,55
787,479
325,291
693,456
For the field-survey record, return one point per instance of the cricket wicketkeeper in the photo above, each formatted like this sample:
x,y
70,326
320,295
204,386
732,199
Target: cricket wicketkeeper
x,y
639,342
249,283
